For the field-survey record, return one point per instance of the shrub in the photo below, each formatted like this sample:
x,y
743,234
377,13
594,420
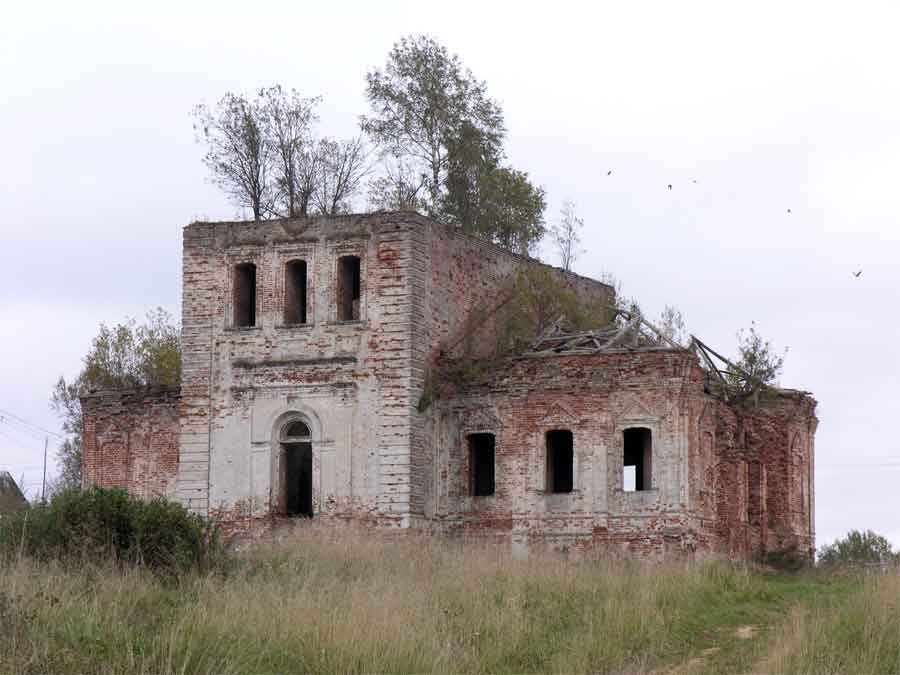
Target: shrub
x,y
858,548
96,524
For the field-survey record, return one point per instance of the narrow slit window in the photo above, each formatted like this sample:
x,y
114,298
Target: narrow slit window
x,y
638,458
348,288
245,295
295,292
481,465
560,461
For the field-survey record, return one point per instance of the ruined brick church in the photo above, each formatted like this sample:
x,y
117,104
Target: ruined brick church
x,y
309,346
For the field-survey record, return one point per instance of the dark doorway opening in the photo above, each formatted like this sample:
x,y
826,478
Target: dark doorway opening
x,y
560,461
639,455
298,479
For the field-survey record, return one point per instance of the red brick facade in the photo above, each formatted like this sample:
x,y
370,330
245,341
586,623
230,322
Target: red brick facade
x,y
725,480
131,441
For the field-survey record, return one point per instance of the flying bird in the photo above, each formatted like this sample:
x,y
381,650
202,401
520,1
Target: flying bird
x,y
669,186
856,274
694,180
609,173
789,211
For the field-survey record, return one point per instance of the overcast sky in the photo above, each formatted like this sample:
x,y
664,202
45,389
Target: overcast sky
x,y
768,106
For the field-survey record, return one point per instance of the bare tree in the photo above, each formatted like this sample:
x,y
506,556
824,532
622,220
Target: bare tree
x,y
288,119
566,235
342,168
671,323
399,188
239,152
309,168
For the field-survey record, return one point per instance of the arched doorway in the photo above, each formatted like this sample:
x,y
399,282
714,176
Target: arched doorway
x,y
297,475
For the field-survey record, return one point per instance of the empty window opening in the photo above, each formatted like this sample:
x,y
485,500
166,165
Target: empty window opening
x,y
295,430
481,465
295,292
348,288
638,458
245,295
560,461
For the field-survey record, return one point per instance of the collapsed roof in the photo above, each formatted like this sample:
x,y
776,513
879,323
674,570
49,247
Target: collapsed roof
x,y
631,332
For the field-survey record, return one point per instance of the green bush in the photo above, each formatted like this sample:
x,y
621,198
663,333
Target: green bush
x,y
97,524
858,548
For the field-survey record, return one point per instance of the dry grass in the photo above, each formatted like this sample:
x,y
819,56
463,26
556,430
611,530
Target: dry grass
x,y
857,632
363,603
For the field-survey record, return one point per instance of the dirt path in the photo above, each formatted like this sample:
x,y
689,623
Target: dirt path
x,y
731,646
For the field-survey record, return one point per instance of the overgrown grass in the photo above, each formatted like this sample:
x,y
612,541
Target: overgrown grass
x,y
850,632
349,601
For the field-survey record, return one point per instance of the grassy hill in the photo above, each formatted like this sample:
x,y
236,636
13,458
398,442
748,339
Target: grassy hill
x,y
327,600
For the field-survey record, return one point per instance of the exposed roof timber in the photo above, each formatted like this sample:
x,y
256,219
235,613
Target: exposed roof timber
x,y
731,381
628,331
631,332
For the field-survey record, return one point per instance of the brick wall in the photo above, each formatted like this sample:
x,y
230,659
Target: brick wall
x,y
730,480
131,441
721,480
455,274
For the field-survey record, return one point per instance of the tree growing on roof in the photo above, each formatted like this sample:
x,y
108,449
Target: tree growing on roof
x,y
343,165
421,100
287,119
430,113
565,235
240,154
758,359
672,325
126,355
399,187
263,154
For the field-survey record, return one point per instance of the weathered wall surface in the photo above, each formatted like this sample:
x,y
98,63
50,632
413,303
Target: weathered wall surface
x,y
457,275
349,380
732,480
596,398
717,471
764,487
131,441
357,384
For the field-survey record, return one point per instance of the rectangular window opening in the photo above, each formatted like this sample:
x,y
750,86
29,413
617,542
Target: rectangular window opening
x,y
481,465
560,461
637,460
245,295
295,292
348,288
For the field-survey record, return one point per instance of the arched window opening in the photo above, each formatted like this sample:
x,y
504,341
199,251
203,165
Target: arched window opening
x,y
638,459
295,430
481,465
295,292
348,288
245,295
560,461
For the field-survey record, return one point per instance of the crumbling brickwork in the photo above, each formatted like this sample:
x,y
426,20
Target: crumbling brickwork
x,y
308,346
131,441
